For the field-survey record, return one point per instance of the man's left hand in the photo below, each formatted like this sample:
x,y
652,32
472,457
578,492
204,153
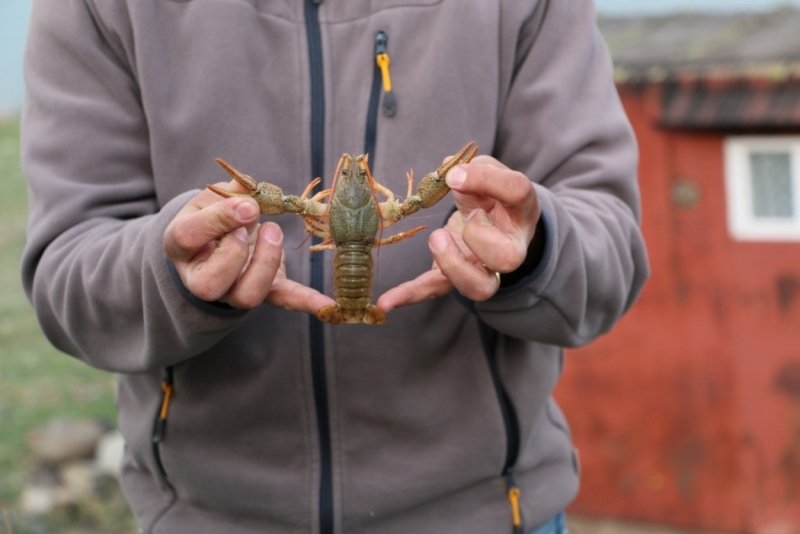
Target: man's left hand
x,y
498,211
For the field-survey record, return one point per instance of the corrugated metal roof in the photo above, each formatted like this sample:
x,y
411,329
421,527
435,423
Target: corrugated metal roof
x,y
730,71
739,105
762,45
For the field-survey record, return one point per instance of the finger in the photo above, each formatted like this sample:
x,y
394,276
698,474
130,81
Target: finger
x,y
509,187
471,280
191,231
483,159
498,250
212,277
426,286
234,187
202,199
253,286
290,295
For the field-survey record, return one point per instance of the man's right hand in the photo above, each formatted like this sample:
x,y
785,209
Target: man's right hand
x,y
222,254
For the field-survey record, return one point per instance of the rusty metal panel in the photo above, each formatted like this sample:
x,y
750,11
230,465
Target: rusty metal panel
x,y
688,413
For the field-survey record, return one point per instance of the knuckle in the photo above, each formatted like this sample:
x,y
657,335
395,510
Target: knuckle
x,y
222,219
207,289
181,239
508,267
480,292
507,261
172,233
168,243
519,189
246,300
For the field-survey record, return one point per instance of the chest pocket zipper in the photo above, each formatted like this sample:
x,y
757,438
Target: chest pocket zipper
x,y
381,80
383,61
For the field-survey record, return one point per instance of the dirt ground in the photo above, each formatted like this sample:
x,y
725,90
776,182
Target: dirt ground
x,y
587,525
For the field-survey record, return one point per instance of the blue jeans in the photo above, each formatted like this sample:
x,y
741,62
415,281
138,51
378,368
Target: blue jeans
x,y
557,525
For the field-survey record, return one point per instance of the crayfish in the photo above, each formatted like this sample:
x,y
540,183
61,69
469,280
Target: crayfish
x,y
349,223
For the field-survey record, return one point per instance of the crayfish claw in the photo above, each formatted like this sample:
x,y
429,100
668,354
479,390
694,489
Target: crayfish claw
x,y
247,181
464,155
224,192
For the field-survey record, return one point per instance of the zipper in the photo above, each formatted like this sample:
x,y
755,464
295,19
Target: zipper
x,y
381,79
514,494
160,422
510,423
316,331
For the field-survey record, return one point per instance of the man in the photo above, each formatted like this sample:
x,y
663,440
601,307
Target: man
x,y
242,415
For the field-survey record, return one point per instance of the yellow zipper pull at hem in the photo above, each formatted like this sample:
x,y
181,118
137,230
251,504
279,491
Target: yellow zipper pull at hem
x,y
167,389
160,427
514,495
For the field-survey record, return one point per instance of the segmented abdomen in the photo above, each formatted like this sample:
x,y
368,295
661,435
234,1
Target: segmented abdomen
x,y
352,276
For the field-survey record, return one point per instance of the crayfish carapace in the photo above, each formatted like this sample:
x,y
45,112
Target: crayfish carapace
x,y
349,223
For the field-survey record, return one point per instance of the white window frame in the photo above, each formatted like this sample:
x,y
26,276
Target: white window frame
x,y
743,225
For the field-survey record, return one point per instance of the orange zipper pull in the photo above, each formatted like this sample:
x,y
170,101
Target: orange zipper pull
x,y
514,494
167,389
383,61
161,422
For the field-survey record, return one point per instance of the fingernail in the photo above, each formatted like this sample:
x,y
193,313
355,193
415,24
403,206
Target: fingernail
x,y
273,233
438,242
241,233
245,211
456,177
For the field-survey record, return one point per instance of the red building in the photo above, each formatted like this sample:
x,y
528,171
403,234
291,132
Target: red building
x,y
688,413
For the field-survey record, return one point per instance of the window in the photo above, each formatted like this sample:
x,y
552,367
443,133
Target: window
x,y
762,177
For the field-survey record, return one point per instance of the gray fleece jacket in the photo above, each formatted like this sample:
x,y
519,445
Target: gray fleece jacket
x,y
273,422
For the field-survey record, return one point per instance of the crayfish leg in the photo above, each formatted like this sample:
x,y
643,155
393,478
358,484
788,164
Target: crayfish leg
x,y
310,187
398,237
325,245
383,190
317,227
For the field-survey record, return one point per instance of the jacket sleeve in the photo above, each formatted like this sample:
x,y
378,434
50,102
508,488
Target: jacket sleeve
x,y
563,126
94,267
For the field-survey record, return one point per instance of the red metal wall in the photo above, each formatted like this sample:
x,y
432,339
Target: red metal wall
x,y
688,413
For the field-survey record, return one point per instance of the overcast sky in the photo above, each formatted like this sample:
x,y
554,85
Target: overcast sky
x,y
14,19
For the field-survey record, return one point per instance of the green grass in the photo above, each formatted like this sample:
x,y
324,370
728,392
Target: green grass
x,y
37,382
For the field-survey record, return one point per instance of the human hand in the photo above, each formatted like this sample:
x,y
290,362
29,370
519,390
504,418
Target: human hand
x,y
498,211
222,254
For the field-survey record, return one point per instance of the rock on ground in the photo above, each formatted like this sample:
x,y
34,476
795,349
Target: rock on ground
x,y
64,438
